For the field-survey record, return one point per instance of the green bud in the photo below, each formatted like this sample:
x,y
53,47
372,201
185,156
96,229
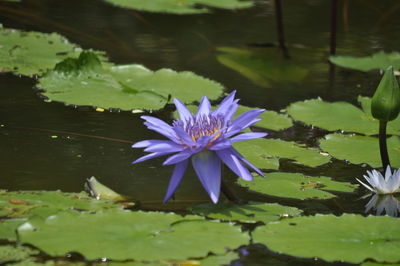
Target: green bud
x,y
385,104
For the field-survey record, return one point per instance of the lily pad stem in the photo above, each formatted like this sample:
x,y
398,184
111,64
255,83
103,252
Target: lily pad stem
x,y
383,145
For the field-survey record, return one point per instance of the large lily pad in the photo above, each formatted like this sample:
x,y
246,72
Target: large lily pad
x,y
298,186
351,238
219,260
360,149
45,203
262,67
340,116
180,6
380,60
132,235
249,213
8,228
265,153
30,53
85,81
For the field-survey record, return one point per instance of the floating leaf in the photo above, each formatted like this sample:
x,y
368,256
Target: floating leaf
x,y
249,213
180,6
350,238
45,203
360,149
264,153
10,253
340,116
380,60
100,191
30,53
132,235
269,119
85,81
219,260
262,67
8,228
295,185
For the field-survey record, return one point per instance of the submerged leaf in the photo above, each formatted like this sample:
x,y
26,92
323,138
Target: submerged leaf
x,y
350,238
181,6
380,60
132,235
360,149
84,81
296,185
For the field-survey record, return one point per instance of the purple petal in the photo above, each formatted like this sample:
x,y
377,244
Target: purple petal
x,y
184,136
247,136
208,168
224,144
159,126
176,178
225,105
204,107
150,156
176,158
165,146
234,164
183,112
231,111
244,120
243,159
146,143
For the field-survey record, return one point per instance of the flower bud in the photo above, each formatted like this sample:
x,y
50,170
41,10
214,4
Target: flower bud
x,y
385,104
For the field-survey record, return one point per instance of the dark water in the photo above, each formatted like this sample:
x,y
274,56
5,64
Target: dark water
x,y
34,155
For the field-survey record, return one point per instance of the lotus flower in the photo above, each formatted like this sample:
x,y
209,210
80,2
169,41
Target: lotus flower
x,y
206,140
380,185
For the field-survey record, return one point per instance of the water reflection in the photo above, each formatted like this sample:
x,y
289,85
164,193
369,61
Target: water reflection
x,y
383,204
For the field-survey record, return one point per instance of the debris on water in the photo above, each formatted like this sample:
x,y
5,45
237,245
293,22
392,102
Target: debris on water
x,y
54,137
100,191
98,109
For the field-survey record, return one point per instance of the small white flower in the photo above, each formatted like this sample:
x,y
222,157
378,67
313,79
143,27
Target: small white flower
x,y
382,185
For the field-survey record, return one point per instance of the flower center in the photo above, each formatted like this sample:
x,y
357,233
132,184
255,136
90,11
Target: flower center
x,y
206,125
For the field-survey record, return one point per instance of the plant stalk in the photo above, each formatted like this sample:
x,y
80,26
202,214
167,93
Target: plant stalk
x,y
279,29
383,144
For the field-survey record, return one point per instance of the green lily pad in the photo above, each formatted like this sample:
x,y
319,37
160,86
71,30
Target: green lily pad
x,y
269,119
249,213
350,238
85,81
262,67
380,60
360,149
10,253
296,185
30,53
126,235
340,116
265,153
219,260
180,7
45,203
370,263
8,228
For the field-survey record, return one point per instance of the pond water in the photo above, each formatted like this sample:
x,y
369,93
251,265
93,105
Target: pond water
x,y
47,146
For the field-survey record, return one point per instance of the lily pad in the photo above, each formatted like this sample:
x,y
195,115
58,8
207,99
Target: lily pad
x,y
126,235
30,53
350,238
249,213
8,228
85,81
340,116
360,149
380,60
45,203
10,253
265,153
269,119
219,260
262,67
180,6
296,185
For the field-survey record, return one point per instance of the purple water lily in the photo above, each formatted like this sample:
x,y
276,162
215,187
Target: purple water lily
x,y
206,139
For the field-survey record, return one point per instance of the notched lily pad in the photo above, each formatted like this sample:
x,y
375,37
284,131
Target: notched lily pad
x,y
262,67
350,238
30,53
181,7
340,116
85,81
265,153
248,213
380,60
132,235
298,186
360,149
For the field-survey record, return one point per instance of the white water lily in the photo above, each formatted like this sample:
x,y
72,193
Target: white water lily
x,y
382,185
